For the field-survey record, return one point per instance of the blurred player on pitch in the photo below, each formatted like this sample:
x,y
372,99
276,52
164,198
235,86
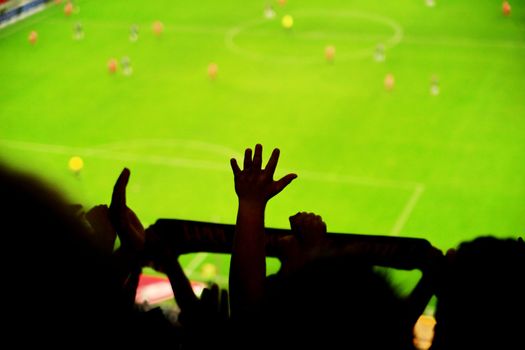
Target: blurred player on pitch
x,y
269,12
125,63
505,8
379,54
134,33
329,53
434,86
213,69
78,31
389,82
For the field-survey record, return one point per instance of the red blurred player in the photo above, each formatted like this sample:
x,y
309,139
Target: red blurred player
x,y
213,69
329,53
389,82
158,27
33,37
112,65
68,8
506,8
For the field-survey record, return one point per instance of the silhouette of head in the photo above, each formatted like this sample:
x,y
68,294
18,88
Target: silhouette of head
x,y
481,296
336,302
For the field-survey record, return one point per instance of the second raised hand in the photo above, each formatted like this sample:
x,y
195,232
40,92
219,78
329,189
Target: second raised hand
x,y
255,183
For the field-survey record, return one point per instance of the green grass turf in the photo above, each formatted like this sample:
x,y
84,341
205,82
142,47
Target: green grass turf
x,y
446,168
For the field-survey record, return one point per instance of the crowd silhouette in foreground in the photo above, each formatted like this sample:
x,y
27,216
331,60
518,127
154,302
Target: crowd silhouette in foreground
x,y
65,285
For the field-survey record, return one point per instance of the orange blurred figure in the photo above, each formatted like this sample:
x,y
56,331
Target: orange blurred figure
x,y
33,37
112,65
213,69
58,1
506,8
389,82
158,27
424,332
68,8
329,53
282,2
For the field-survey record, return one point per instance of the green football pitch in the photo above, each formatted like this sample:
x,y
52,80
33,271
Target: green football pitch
x,y
446,167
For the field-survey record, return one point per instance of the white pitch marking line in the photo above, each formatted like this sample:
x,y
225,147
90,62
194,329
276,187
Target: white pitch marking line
x,y
193,164
124,156
459,41
364,181
407,210
171,143
195,263
199,164
395,39
465,42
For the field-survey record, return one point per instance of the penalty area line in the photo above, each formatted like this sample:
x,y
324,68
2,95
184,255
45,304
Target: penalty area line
x,y
407,210
195,263
188,163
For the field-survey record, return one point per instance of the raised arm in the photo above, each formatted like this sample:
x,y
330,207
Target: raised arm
x,y
306,240
128,258
254,187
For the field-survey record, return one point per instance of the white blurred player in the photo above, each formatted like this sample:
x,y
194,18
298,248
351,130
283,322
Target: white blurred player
x,y
434,86
430,3
125,63
379,54
133,33
269,12
78,31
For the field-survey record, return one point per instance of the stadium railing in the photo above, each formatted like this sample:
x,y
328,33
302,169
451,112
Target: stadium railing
x,y
12,11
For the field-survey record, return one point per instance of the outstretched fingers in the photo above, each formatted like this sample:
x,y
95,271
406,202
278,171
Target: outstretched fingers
x,y
283,182
252,181
257,157
272,163
247,159
118,199
255,162
235,167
